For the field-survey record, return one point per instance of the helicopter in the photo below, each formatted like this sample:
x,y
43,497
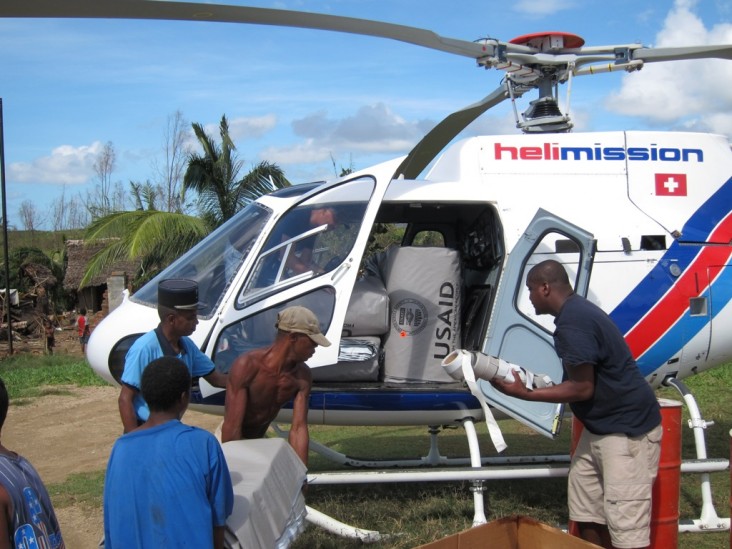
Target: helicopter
x,y
641,220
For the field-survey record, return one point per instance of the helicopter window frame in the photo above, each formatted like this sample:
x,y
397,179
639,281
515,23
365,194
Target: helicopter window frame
x,y
520,299
213,282
239,339
342,201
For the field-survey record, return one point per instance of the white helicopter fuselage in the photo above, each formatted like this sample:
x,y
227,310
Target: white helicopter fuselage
x,y
654,207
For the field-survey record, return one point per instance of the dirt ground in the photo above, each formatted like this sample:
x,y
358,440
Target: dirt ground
x,y
63,435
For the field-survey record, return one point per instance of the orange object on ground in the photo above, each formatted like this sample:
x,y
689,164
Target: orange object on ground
x,y
665,509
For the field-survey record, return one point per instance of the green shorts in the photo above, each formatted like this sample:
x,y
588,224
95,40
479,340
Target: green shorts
x,y
610,482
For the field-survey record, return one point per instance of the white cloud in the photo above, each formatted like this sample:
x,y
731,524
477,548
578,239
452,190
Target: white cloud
x,y
693,94
251,128
243,127
372,129
494,124
307,151
66,165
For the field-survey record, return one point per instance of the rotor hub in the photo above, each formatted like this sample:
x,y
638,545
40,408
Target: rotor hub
x,y
550,40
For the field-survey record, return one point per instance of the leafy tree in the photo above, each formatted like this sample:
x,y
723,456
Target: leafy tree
x,y
155,238
214,175
22,257
146,195
344,170
383,236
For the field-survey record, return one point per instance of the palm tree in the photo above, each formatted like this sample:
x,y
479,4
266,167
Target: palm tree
x,y
156,238
214,176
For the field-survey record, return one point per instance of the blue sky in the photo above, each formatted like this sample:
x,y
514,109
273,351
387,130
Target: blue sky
x,y
304,98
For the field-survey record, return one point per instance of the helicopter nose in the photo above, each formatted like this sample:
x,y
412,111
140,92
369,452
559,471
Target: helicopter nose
x,y
114,335
97,353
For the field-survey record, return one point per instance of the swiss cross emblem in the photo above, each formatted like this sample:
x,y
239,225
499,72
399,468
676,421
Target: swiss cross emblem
x,y
670,184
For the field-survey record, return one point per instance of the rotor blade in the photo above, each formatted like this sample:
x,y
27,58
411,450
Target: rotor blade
x,y
431,144
649,55
191,11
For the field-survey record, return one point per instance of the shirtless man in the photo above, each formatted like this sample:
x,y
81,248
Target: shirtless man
x,y
262,381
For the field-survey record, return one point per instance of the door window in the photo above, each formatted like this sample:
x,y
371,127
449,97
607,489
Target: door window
x,y
311,239
258,330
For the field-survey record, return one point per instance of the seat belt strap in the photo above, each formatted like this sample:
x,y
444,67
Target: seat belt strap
x,y
493,430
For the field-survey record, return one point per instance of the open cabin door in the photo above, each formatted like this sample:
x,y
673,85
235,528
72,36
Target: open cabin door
x,y
310,257
515,333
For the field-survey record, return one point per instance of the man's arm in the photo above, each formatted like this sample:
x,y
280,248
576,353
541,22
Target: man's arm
x,y
579,386
216,378
300,263
220,493
142,352
236,402
203,366
126,407
218,537
299,437
6,512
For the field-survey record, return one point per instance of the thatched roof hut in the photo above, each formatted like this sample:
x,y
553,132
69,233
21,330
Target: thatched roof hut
x,y
78,256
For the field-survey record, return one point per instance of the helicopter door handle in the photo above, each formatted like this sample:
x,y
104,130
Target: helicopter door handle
x,y
341,270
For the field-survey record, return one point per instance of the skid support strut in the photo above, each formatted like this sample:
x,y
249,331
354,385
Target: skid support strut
x,y
709,520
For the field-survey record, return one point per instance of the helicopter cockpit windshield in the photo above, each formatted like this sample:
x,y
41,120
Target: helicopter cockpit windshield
x,y
215,260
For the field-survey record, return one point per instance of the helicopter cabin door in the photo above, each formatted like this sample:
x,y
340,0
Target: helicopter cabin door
x,y
309,257
520,336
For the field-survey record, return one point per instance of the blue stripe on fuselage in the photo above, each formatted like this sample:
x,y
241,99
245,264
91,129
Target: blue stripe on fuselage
x,y
652,289
393,400
371,399
657,282
687,326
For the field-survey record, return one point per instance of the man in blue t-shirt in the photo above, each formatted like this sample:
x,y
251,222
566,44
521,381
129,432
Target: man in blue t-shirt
x,y
616,460
167,484
177,308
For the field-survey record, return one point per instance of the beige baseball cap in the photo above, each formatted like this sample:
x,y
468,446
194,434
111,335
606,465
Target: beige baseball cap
x,y
302,321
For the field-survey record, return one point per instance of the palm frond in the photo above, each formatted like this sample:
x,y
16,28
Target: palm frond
x,y
147,236
264,178
114,252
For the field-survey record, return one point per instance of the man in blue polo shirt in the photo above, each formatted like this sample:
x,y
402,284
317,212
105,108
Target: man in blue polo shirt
x,y
177,308
616,460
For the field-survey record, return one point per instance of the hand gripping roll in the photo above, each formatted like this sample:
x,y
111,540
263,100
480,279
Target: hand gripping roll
x,y
490,367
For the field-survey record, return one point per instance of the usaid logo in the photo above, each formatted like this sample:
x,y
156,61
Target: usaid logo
x,y
409,317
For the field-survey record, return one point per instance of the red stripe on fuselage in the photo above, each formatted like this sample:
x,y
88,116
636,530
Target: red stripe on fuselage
x,y
692,283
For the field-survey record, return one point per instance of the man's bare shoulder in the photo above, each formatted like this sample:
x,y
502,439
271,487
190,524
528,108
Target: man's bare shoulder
x,y
303,375
246,365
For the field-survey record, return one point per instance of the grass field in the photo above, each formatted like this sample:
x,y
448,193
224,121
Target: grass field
x,y
412,514
418,513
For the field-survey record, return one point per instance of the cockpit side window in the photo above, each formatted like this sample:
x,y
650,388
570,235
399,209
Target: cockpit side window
x,y
311,239
258,330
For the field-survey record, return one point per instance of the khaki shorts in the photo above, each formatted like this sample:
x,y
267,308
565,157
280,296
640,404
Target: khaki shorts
x,y
611,481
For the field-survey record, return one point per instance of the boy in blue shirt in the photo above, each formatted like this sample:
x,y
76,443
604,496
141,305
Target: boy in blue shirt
x,y
167,484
